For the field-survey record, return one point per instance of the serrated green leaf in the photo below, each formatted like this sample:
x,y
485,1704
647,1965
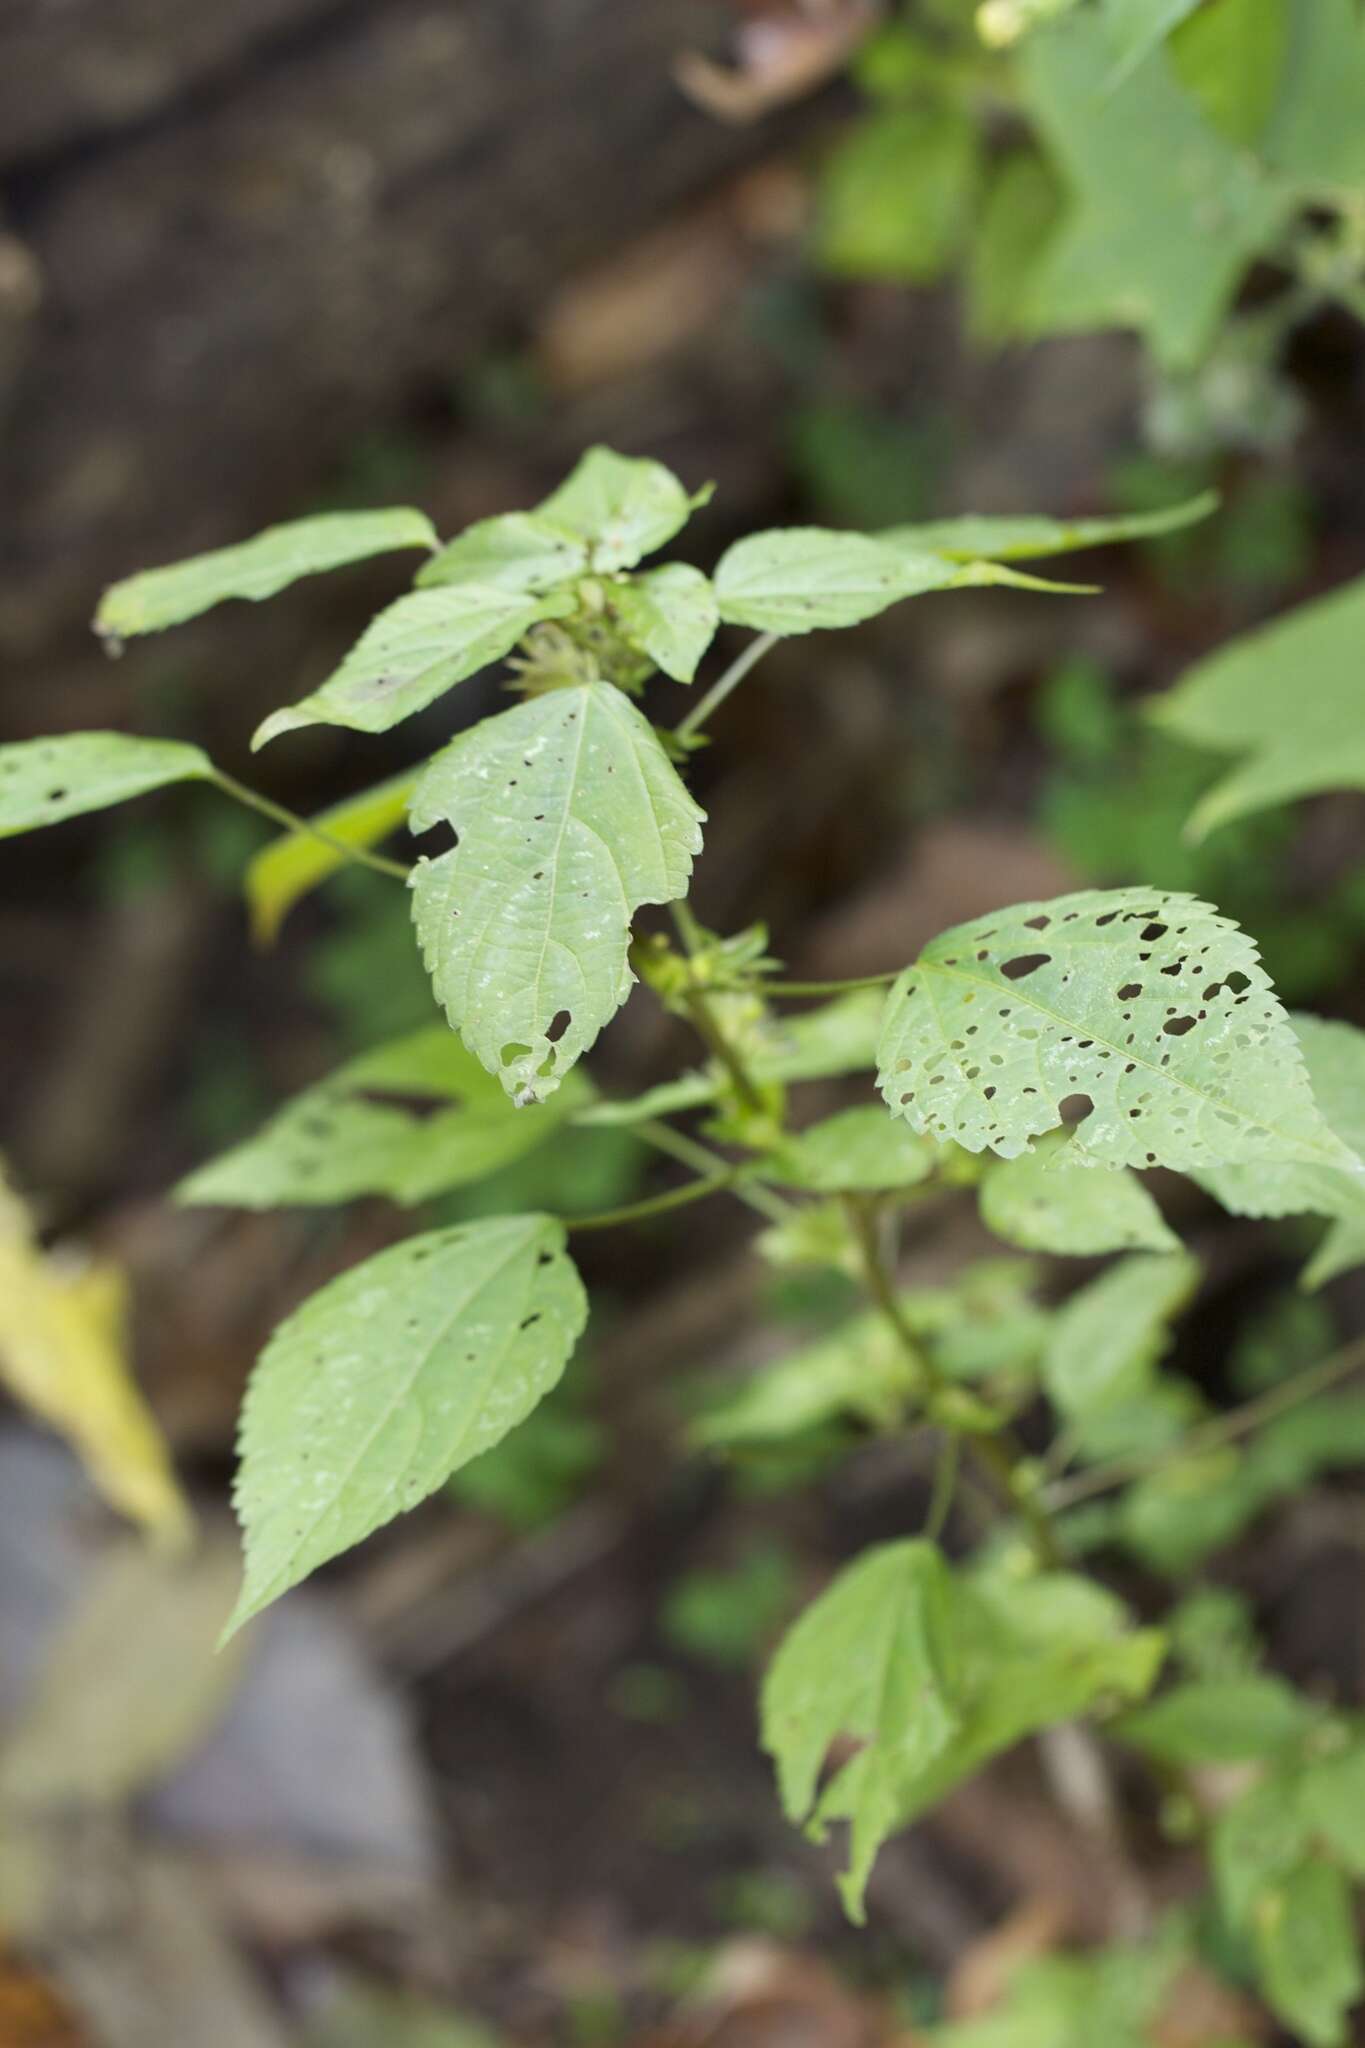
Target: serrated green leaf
x,y
895,196
1105,1340
858,1151
671,615
409,1120
860,1371
798,578
1307,1953
43,782
1231,56
380,1386
624,506
569,816
872,1658
1152,1005
1018,538
1165,213
1332,1797
1315,136
1255,1843
1286,699
1220,1721
289,867
256,568
413,653
1044,1203
516,551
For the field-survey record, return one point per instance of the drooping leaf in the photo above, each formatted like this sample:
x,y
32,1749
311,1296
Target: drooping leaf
x,y
1220,1720
873,1658
1106,1339
372,1393
45,781
1285,698
569,816
1255,1843
1165,213
798,578
290,866
895,197
1151,1005
860,1149
1315,136
256,568
1043,1203
1018,538
860,1371
671,615
413,653
409,1120
516,551
64,1356
1308,1954
623,506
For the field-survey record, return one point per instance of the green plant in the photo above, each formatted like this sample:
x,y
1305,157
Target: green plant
x,y
1038,1061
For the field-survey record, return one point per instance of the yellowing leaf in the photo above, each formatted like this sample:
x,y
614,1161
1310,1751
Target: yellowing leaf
x,y
63,1354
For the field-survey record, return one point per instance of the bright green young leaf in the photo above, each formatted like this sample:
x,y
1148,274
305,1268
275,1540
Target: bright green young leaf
x,y
1165,213
43,782
1308,1953
859,1150
255,568
872,1659
896,195
1231,56
860,1371
516,551
1134,28
1106,1339
1220,1721
798,578
671,615
1285,699
1316,136
1017,538
623,506
1018,215
292,865
1151,1005
409,1120
414,652
1043,1203
569,816
380,1386
1332,1796
1256,1842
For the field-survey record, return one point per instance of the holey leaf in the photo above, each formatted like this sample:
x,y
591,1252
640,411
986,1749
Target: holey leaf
x,y
43,782
369,1396
1149,1008
568,815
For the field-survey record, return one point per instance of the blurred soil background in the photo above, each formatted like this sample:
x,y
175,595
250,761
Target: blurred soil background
x,y
497,1775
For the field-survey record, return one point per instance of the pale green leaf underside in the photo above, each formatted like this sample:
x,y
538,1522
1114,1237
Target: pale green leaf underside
x,y
1044,1202
1288,699
413,653
859,1150
671,615
409,1120
569,816
1151,1005
1017,538
373,1392
290,866
44,781
1105,1341
799,578
623,506
256,568
516,551
860,1371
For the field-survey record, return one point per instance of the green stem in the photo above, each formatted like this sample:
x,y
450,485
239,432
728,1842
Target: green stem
x,y
720,690
1214,1434
946,1469
277,813
827,988
655,1205
689,1153
707,1027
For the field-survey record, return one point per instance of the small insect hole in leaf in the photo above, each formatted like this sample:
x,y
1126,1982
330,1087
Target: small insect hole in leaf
x,y
1176,1027
1024,964
512,1052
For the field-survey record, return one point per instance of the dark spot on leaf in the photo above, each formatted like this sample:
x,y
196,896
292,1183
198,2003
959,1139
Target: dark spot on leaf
x,y
1024,963
1176,1027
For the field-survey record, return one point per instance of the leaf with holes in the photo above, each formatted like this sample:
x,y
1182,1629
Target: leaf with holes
x,y
1019,538
872,1659
45,781
409,1120
369,1396
256,568
1286,699
623,506
569,815
516,551
1151,1006
1106,1339
1043,1202
413,653
285,870
858,1151
670,614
